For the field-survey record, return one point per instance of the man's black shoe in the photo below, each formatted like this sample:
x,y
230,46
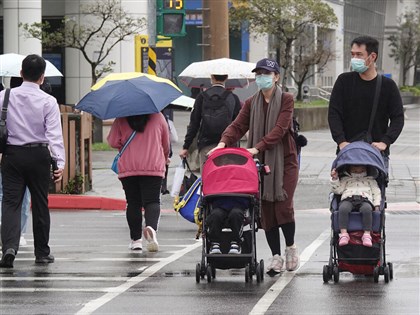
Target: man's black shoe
x,y
44,260
8,258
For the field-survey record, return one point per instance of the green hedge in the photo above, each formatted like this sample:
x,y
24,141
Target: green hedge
x,y
412,89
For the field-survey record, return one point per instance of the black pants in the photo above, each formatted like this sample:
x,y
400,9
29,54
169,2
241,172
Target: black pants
x,y
216,221
273,236
142,192
21,167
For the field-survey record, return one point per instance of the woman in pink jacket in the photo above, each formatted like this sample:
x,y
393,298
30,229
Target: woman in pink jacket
x,y
141,169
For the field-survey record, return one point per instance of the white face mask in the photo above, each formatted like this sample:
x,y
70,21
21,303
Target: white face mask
x,y
358,175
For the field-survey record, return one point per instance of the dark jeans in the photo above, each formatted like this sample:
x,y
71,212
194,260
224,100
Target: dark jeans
x,y
21,167
216,221
142,192
347,206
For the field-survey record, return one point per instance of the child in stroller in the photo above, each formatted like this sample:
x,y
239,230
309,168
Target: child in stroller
x,y
232,210
358,254
358,192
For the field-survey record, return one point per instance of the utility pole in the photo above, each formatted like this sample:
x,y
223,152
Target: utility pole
x,y
215,29
151,30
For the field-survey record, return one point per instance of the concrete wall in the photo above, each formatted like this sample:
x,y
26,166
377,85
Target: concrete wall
x,y
315,118
312,118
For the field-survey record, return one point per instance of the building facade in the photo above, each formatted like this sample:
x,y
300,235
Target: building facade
x,y
377,18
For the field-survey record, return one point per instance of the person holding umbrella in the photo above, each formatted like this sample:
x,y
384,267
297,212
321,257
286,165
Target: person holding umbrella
x,y
140,170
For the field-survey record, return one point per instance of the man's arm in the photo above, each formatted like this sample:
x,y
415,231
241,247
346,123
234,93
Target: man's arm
x,y
396,116
335,113
193,126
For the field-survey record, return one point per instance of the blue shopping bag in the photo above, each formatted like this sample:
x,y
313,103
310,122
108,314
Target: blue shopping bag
x,y
189,204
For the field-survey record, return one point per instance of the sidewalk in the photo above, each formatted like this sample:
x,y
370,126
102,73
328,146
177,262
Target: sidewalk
x,y
403,190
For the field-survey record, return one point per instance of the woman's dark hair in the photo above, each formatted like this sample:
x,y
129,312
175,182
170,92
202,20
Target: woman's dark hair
x,y
33,66
138,122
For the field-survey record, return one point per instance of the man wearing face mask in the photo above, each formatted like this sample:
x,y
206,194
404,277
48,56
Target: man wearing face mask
x,y
268,117
352,100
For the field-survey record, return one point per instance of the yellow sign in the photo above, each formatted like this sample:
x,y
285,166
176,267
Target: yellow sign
x,y
141,43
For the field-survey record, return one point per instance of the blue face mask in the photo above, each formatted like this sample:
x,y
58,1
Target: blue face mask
x,y
358,65
264,81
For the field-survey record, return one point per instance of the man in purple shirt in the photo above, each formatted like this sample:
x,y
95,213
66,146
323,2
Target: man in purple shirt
x,y
35,136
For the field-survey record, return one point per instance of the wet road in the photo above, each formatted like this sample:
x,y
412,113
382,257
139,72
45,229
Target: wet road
x,y
95,273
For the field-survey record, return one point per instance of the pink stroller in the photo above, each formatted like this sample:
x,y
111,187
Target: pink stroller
x,y
231,173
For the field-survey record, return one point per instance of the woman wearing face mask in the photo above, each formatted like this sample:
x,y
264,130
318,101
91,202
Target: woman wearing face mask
x,y
268,117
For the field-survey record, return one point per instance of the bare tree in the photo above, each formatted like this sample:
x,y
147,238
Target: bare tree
x,y
106,25
308,53
286,20
405,45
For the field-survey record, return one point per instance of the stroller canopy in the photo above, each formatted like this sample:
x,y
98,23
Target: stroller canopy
x,y
360,153
230,170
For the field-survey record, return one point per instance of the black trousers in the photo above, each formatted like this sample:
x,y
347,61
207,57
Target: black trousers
x,y
216,221
142,192
21,167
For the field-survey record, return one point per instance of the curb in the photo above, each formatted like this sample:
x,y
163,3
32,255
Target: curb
x,y
77,202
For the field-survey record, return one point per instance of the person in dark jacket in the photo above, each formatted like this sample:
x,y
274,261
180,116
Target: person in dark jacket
x,y
352,97
204,142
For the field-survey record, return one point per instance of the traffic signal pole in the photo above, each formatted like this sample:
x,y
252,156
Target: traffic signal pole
x,y
151,29
215,29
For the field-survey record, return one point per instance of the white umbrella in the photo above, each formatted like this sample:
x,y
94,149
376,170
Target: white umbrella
x,y
184,101
11,64
198,74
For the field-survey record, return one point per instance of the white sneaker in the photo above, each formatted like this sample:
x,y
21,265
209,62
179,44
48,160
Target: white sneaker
x,y
276,264
150,235
292,258
135,245
22,241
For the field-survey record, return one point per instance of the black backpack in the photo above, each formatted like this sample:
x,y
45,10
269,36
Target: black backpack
x,y
216,115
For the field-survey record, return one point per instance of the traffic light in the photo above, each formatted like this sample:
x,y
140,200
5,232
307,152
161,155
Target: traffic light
x,y
170,18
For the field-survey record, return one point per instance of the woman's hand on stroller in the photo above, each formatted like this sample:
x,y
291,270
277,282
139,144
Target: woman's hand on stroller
x,y
220,145
334,174
253,151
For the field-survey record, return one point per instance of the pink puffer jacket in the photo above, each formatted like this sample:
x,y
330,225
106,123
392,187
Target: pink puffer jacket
x,y
147,153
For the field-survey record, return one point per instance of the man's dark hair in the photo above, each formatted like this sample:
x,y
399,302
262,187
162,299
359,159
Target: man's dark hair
x,y
33,67
138,122
220,78
15,82
372,45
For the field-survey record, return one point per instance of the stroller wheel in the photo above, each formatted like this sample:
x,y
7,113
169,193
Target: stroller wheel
x,y
262,269
336,274
391,271
248,276
386,274
208,273
197,273
376,274
258,273
326,276
213,272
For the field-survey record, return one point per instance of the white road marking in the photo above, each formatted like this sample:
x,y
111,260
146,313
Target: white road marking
x,y
93,305
274,291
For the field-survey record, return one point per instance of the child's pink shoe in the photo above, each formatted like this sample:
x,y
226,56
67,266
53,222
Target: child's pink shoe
x,y
367,240
344,239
